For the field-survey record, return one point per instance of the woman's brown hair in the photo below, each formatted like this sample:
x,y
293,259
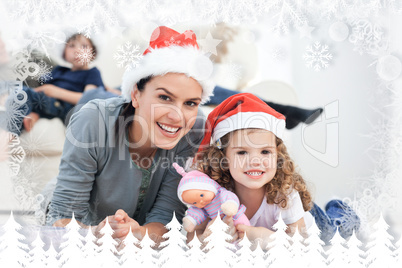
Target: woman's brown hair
x,y
212,161
127,111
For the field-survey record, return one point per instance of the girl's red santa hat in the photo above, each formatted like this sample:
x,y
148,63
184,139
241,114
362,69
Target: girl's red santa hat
x,y
241,111
171,52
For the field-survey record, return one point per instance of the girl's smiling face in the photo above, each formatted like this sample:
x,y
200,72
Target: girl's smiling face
x,y
252,158
165,110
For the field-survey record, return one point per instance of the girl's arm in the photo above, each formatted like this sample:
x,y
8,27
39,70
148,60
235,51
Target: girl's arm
x,y
203,230
300,224
61,93
254,234
263,234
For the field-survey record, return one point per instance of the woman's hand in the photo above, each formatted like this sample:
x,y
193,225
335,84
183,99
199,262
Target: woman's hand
x,y
120,222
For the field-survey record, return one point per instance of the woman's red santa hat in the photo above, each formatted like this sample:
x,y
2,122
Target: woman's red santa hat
x,y
241,111
171,52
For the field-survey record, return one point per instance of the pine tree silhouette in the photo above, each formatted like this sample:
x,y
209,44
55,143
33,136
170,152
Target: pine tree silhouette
x,y
398,253
147,255
90,250
245,256
13,252
107,253
71,248
38,254
314,255
51,256
278,254
258,254
129,252
218,250
297,249
355,255
173,252
337,251
195,256
379,252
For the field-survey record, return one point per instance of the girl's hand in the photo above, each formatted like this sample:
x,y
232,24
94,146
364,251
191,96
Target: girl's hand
x,y
188,225
232,229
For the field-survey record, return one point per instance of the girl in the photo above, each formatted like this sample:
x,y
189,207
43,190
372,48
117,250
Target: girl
x,y
248,157
59,94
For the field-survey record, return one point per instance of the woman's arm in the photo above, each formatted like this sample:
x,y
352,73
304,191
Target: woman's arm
x,y
77,169
200,230
121,223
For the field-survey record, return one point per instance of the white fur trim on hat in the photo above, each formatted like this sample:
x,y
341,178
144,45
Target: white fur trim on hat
x,y
259,120
173,59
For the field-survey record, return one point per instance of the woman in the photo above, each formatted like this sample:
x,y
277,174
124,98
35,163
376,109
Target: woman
x,y
118,155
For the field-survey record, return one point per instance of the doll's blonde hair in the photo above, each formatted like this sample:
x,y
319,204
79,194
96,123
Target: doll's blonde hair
x,y
213,162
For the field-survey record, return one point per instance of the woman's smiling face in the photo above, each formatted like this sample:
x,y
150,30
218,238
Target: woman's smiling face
x,y
165,110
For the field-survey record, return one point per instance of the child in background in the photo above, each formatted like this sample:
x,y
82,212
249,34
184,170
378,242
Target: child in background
x,y
59,94
247,156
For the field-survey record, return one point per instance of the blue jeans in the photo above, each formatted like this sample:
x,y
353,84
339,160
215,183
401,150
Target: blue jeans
x,y
337,215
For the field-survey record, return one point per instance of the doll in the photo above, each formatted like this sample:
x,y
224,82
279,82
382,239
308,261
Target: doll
x,y
205,198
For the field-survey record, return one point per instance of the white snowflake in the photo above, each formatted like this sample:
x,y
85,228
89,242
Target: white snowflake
x,y
23,68
367,37
317,56
233,72
39,10
277,54
172,42
233,12
170,16
15,153
286,14
127,55
85,55
96,16
14,115
44,74
40,40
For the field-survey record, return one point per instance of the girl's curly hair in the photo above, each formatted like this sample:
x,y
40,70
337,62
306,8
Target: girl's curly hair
x,y
212,161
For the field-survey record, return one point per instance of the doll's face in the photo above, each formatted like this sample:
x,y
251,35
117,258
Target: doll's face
x,y
197,198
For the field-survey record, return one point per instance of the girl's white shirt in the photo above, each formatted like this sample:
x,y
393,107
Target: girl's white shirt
x,y
268,214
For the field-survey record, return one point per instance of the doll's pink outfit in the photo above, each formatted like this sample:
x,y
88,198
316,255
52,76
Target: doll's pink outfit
x,y
198,180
